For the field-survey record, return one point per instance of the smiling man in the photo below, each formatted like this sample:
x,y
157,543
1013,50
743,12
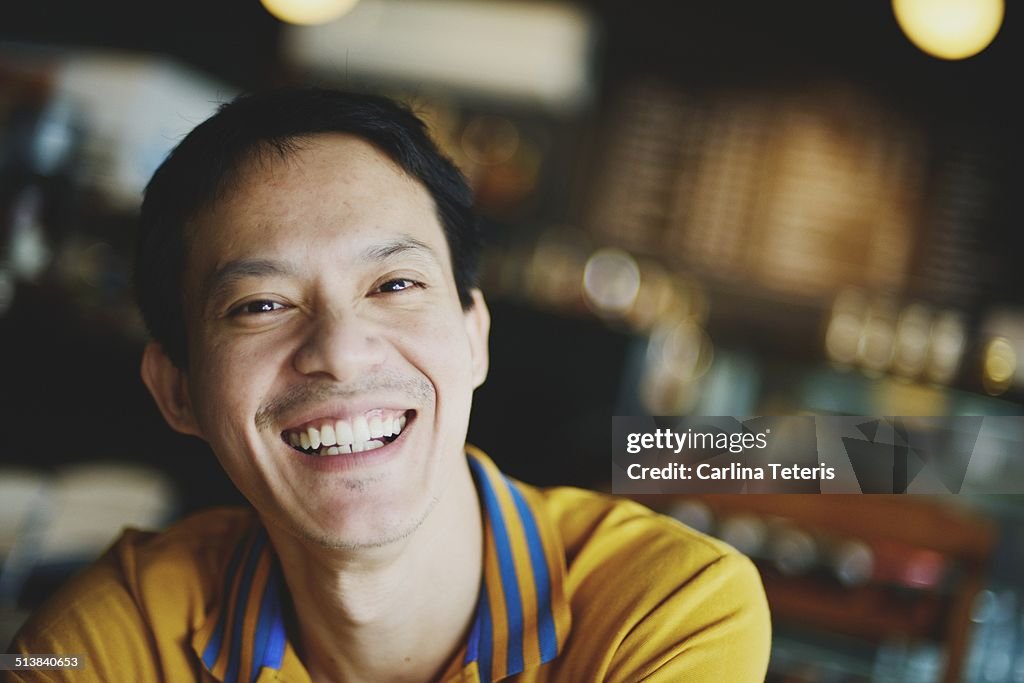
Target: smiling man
x,y
306,266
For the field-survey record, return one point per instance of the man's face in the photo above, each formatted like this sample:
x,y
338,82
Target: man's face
x,y
320,299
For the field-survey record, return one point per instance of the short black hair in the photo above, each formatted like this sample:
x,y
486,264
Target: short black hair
x,y
210,159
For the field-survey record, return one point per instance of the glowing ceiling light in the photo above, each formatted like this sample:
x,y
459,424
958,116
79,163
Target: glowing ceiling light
x,y
950,29
308,12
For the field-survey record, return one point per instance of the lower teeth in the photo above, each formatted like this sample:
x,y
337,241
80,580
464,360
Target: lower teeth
x,y
371,445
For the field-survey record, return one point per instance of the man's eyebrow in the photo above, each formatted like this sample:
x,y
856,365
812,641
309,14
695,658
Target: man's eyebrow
x,y
401,245
222,279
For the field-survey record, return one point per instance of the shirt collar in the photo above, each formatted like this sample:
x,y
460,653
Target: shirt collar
x,y
522,616
245,631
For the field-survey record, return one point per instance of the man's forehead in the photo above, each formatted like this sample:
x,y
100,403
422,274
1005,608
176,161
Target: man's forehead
x,y
330,179
314,157
330,193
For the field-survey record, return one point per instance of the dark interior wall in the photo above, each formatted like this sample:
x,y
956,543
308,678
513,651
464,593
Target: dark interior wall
x,y
236,40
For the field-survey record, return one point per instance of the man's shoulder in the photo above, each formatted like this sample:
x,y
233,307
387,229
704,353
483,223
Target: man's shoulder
x,y
656,599
597,527
146,577
620,549
200,542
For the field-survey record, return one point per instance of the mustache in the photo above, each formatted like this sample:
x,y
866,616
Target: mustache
x,y
304,395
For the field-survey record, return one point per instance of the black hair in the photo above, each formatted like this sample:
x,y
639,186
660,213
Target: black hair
x,y
210,159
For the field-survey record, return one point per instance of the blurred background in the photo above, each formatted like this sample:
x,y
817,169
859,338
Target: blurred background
x,y
707,208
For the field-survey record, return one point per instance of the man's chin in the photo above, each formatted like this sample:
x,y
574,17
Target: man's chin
x,y
359,531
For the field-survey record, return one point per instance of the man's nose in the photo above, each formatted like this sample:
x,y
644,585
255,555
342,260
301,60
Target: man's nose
x,y
339,345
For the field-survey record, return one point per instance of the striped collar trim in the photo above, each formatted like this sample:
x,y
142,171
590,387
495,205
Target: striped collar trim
x,y
522,617
245,633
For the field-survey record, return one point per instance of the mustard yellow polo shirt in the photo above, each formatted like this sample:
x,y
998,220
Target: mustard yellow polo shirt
x,y
577,586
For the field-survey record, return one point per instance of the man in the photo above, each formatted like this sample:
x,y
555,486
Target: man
x,y
306,266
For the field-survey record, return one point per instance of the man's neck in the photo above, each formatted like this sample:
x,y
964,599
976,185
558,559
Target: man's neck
x,y
398,612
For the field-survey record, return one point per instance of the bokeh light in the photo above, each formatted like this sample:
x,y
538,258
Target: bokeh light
x,y
950,29
308,12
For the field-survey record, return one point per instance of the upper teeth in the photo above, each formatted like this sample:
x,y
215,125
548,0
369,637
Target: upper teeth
x,y
361,433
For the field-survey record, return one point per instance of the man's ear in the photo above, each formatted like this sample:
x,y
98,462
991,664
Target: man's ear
x,y
169,386
478,327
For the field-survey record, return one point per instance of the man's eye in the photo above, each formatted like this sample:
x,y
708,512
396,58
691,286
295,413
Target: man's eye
x,y
398,285
257,307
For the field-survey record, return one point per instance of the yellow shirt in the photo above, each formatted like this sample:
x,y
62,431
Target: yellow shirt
x,y
577,586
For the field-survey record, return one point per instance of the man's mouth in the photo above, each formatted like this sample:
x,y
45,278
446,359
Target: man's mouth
x,y
371,430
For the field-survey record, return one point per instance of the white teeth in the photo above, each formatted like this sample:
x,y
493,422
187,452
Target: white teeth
x,y
360,430
343,430
346,436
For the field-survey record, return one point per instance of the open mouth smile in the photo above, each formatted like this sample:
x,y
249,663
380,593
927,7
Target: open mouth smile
x,y
369,431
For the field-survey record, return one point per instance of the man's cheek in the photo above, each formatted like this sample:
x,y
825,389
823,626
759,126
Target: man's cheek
x,y
224,358
217,392
450,373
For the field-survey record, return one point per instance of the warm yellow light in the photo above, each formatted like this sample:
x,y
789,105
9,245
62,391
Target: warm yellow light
x,y
999,367
308,11
950,29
